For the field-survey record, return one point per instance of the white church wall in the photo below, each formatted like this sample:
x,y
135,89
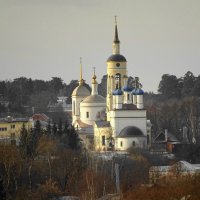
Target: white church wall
x,y
125,143
76,107
122,119
91,113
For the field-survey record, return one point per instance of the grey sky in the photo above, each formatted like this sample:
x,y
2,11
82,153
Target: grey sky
x,y
40,39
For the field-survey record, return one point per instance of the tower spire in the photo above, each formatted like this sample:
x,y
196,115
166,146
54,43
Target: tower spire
x,y
116,38
94,84
81,73
94,77
116,42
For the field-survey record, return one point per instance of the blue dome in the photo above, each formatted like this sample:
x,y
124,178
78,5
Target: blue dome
x,y
133,91
117,92
139,92
116,58
127,88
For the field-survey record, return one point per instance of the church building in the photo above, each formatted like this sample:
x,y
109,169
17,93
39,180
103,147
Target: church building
x,y
118,122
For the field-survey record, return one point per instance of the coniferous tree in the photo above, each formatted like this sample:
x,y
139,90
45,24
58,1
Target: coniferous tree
x,y
60,129
74,141
37,131
188,84
170,86
196,88
2,191
23,140
49,128
32,142
37,127
66,128
54,129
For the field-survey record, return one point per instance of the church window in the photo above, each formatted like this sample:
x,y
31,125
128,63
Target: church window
x,y
103,140
12,125
133,143
121,144
87,114
98,115
118,64
118,76
118,80
128,97
74,107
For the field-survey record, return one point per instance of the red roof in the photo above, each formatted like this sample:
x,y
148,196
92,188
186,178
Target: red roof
x,y
40,117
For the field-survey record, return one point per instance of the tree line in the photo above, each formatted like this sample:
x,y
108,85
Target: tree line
x,y
176,107
22,93
172,87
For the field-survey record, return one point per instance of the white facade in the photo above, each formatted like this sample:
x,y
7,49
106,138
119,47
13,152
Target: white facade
x,y
76,100
123,105
91,112
122,118
125,143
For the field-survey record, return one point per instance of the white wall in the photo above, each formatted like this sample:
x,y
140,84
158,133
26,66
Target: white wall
x,y
93,109
140,142
119,119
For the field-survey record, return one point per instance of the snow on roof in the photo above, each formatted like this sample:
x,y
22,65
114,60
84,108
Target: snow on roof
x,y
109,155
182,166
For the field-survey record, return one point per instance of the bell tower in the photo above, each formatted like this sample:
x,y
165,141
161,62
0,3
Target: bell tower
x,y
116,70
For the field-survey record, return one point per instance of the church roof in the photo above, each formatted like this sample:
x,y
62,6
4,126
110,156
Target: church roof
x,y
81,90
161,138
82,124
117,92
94,99
130,131
127,88
102,124
116,58
129,107
137,91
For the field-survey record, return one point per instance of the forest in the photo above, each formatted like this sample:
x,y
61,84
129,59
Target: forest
x,y
20,95
53,162
177,105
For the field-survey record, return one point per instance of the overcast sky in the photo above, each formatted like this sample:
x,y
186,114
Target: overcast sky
x,y
40,39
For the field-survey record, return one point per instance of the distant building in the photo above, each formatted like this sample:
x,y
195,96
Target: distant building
x,y
42,118
164,142
10,129
118,121
164,174
61,104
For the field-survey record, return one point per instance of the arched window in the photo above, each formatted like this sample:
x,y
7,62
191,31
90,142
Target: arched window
x,y
118,80
121,144
74,107
133,143
118,76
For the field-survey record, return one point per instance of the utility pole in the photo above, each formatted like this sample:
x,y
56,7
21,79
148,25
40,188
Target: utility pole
x,y
117,177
